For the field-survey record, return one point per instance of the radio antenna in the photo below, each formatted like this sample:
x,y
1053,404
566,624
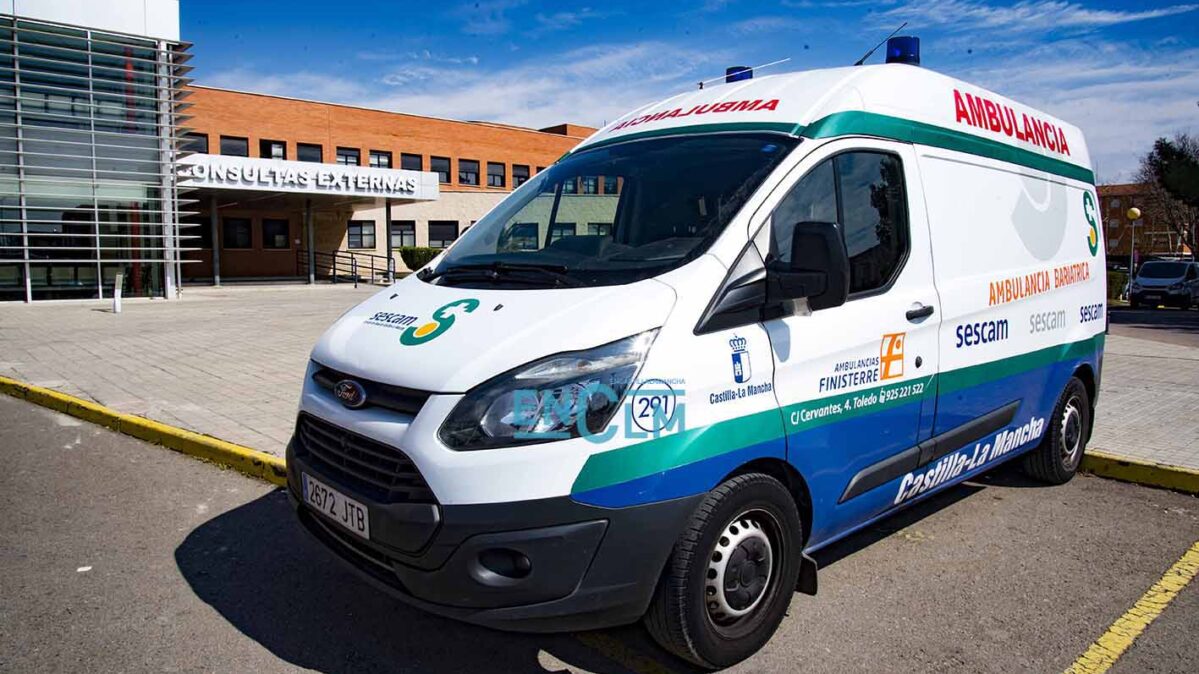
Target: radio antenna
x,y
753,68
871,52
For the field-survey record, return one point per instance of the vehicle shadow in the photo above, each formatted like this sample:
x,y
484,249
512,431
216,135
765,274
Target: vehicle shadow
x,y
263,573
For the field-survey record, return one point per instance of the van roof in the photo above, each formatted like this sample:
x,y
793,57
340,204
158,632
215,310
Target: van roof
x,y
896,101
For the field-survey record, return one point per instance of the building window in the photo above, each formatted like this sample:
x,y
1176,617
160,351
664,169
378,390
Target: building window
x,y
519,236
275,233
540,169
236,233
349,156
610,185
232,146
403,233
590,185
495,174
570,186
442,233
380,159
440,166
272,149
195,142
561,230
309,152
468,172
412,162
597,228
360,234
1115,203
520,174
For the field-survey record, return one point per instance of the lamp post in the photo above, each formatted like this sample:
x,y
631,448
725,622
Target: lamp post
x,y
1133,215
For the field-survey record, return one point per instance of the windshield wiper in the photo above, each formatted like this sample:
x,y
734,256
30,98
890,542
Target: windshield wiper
x,y
497,269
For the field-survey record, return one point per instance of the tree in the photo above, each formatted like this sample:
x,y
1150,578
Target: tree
x,y
1170,173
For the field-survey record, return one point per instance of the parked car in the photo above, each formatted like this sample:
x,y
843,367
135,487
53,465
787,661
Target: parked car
x,y
1166,282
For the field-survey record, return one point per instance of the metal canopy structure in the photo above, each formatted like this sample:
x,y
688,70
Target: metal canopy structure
x,y
89,124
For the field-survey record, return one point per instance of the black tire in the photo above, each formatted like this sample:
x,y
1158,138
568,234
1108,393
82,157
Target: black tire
x,y
1056,459
686,616
1133,304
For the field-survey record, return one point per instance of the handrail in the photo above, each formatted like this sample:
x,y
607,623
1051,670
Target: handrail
x,y
343,265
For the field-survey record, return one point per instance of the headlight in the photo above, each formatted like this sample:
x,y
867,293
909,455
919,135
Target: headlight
x,y
1136,286
558,397
1176,286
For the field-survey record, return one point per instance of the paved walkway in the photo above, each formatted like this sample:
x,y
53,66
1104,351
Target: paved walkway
x,y
229,362
1149,401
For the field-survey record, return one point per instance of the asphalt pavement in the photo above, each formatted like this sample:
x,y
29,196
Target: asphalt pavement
x,y
116,555
1171,326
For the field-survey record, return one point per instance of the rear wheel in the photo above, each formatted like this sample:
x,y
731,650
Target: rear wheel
x,y
1056,459
729,580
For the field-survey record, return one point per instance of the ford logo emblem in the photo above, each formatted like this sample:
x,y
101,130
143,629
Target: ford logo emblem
x,y
350,393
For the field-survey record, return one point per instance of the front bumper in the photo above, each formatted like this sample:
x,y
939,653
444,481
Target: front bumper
x,y
587,567
1161,295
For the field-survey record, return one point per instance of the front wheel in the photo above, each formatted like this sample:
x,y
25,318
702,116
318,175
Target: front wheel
x,y
730,577
1056,459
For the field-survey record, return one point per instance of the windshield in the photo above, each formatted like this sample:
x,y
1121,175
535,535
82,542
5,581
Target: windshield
x,y
1163,270
615,214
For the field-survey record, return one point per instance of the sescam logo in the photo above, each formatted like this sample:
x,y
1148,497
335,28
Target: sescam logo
x,y
1090,312
1088,209
1046,321
983,332
961,461
443,319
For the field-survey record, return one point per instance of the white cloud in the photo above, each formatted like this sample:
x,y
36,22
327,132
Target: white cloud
x,y
302,84
1041,16
547,23
767,24
486,17
588,85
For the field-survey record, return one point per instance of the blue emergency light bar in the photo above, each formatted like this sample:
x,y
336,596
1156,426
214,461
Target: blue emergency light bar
x,y
904,49
738,73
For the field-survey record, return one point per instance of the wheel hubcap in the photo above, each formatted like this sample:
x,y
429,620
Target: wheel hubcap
x,y
1071,432
739,570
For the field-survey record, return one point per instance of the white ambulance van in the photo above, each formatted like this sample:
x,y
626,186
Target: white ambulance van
x,y
725,331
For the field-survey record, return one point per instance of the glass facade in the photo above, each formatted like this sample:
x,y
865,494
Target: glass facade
x,y
88,137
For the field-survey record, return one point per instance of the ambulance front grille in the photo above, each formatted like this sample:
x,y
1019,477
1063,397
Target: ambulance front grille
x,y
376,470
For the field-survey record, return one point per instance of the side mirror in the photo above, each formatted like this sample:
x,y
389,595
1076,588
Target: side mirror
x,y
818,271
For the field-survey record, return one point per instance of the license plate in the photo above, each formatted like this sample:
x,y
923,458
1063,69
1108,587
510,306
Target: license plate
x,y
337,506
1153,298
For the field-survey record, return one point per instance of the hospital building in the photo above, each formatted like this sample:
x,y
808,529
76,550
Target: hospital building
x,y
115,165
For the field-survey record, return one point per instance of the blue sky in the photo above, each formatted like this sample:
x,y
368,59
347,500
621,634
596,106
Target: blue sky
x,y
1126,72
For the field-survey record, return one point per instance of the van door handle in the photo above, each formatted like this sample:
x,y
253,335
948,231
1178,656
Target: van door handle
x,y
923,311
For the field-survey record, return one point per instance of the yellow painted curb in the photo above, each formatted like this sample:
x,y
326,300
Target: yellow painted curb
x,y
1141,472
243,459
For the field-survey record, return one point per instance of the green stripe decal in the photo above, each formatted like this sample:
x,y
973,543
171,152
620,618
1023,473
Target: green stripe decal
x,y
908,131
672,451
729,127
966,377
662,454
